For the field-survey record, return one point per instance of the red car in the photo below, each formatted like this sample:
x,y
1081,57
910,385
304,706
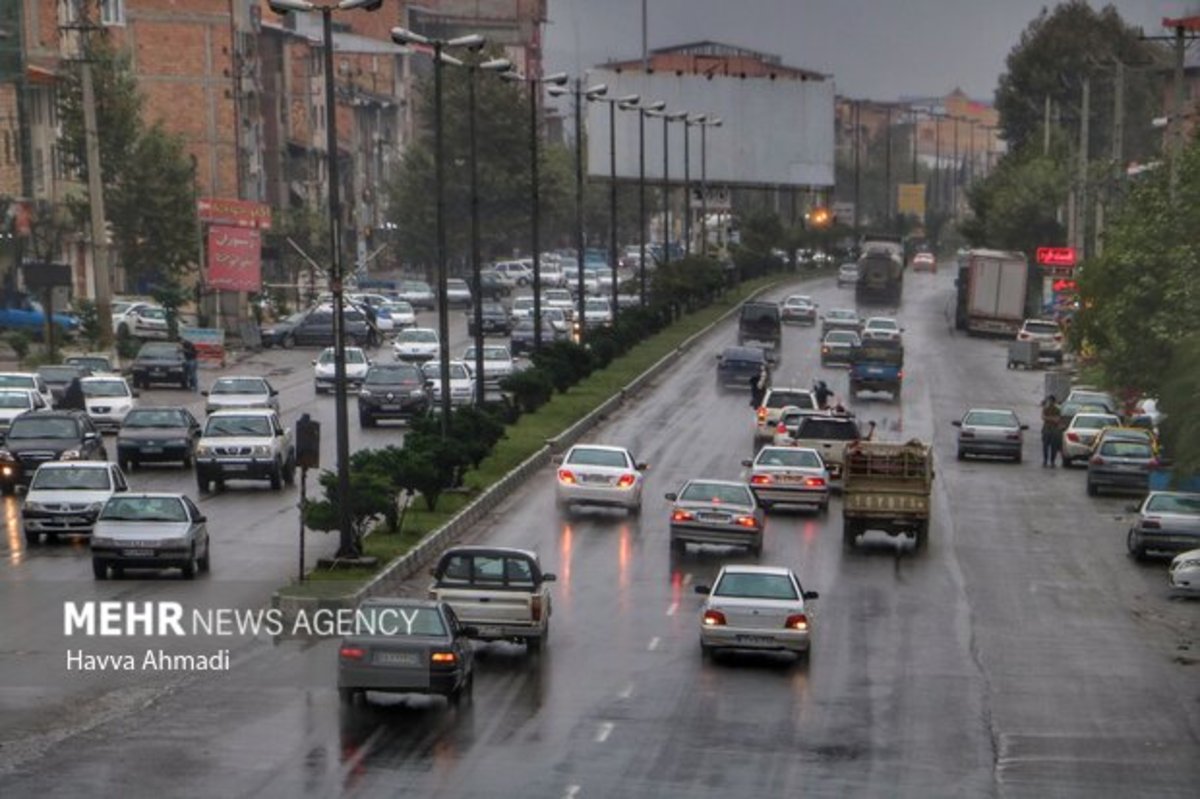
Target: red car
x,y
924,262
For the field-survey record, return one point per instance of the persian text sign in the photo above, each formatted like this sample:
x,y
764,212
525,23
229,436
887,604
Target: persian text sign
x,y
1056,256
238,213
234,259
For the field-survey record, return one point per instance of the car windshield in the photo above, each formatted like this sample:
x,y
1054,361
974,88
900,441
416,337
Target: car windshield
x,y
828,429
75,478
841,337
717,493
789,456
1126,449
58,374
395,308
781,398
144,509
353,355
229,426
18,381
882,324
589,456
239,385
157,417
558,295
91,364
390,375
522,303
847,316
596,305
420,336
159,350
433,370
755,586
417,287
1091,421
15,399
1042,328
489,354
398,620
493,309
105,388
991,419
1174,503
152,313
43,427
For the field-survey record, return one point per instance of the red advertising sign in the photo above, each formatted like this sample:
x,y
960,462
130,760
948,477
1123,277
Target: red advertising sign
x,y
234,258
1056,256
235,213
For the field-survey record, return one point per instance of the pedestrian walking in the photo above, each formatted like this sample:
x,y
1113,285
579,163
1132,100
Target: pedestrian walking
x,y
822,392
758,387
190,363
1052,424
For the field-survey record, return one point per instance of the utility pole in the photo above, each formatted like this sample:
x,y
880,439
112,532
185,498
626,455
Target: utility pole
x,y
1082,203
913,116
1177,112
1046,128
857,175
1118,133
887,170
936,191
100,269
954,174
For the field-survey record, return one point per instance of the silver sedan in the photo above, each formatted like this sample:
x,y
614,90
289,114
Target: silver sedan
x,y
1167,521
990,431
716,512
789,476
757,608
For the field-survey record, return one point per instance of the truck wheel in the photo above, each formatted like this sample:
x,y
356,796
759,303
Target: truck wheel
x,y
922,535
99,569
533,644
850,533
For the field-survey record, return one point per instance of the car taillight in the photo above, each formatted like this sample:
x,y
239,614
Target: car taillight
x,y
626,480
1151,524
535,608
1073,438
1013,436
352,652
1023,336
814,482
797,621
566,476
682,516
968,433
781,428
825,350
900,375
762,414
714,618
442,657
746,521
1096,459
760,479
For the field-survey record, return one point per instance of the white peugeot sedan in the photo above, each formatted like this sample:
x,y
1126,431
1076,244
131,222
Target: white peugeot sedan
x,y
416,344
789,476
462,385
497,362
593,474
108,400
755,607
401,316
237,392
1184,573
325,368
881,328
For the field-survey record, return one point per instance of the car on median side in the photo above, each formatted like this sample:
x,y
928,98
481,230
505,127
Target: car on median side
x,y
150,531
1120,465
394,391
1081,433
1167,521
1184,573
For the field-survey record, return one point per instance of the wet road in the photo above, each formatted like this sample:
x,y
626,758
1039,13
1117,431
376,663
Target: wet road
x,y
1021,654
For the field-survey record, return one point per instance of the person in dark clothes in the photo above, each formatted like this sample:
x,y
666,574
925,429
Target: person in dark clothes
x,y
758,387
190,362
72,398
822,392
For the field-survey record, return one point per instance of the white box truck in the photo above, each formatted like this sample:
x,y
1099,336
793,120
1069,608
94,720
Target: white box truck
x,y
992,292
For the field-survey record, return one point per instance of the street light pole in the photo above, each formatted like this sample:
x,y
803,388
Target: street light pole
x,y
348,544
705,123
666,181
613,104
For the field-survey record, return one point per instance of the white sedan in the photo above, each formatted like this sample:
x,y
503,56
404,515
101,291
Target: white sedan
x,y
16,401
324,369
108,401
593,474
755,607
416,344
462,385
789,476
401,316
237,392
881,327
1184,573
497,362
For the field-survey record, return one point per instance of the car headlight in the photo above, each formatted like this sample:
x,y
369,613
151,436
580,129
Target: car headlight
x,y
417,392
260,449
101,541
177,442
7,457
203,451
70,455
34,506
366,392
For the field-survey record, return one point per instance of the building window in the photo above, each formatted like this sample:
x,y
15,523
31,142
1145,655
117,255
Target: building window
x,y
112,12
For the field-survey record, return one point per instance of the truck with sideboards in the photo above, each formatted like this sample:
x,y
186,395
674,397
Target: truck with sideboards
x,y
887,486
992,293
880,271
877,365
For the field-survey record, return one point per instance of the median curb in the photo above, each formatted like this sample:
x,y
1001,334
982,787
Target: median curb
x,y
427,550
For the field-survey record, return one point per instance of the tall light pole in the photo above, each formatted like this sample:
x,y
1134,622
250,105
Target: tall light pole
x,y
643,110
348,544
534,86
688,122
492,65
471,42
667,118
581,94
706,122
613,104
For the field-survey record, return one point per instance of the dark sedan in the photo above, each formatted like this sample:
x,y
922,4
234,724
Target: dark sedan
x,y
522,336
393,391
495,320
406,646
157,435
59,377
160,362
279,333
736,365
316,329
839,346
39,436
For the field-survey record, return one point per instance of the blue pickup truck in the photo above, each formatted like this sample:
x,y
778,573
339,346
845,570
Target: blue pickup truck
x,y
877,365
22,313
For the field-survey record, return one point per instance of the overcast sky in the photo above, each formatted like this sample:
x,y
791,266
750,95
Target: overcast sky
x,y
879,49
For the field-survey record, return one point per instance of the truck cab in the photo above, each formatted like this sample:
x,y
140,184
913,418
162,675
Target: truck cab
x,y
877,365
760,324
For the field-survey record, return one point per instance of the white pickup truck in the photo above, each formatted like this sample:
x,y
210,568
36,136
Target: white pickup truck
x,y
501,592
247,444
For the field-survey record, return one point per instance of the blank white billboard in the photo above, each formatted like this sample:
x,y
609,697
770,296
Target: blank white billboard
x,y
773,132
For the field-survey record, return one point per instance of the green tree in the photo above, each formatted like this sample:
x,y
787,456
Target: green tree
x,y
1056,51
1177,398
1016,206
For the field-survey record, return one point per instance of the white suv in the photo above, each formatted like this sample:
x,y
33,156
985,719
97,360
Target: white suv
x,y
247,444
513,273
1047,334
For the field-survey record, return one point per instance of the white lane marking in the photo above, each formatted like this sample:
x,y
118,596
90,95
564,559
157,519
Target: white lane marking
x,y
674,606
687,579
653,643
625,692
605,730
572,790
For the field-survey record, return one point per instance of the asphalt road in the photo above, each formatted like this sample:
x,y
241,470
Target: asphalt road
x,y
1021,654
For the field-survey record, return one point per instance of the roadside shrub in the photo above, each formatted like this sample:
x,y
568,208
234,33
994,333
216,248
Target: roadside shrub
x,y
565,363
530,388
20,342
603,347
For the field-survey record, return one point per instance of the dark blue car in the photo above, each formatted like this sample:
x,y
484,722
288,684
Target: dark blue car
x,y
736,365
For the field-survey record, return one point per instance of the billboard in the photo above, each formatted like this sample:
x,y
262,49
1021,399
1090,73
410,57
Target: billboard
x,y
234,258
772,133
911,199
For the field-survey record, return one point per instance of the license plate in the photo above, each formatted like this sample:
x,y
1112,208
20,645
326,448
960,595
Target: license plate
x,y
755,639
395,659
138,553
151,450
595,478
158,371
488,631
713,517
791,479
69,520
389,407
235,467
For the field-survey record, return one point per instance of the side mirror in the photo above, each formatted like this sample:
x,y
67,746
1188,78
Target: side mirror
x,y
201,518
641,467
274,392
957,423
747,462
1024,427
703,590
470,631
549,577
204,393
811,595
91,435
671,497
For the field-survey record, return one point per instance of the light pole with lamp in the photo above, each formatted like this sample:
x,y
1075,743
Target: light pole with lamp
x,y
613,104
667,118
348,544
705,123
688,123
534,86
473,42
492,65
581,94
642,111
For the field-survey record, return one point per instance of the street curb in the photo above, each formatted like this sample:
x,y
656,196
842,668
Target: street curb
x,y
437,541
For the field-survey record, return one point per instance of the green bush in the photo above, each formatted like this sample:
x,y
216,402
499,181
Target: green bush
x,y
530,388
20,342
89,320
565,363
603,346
